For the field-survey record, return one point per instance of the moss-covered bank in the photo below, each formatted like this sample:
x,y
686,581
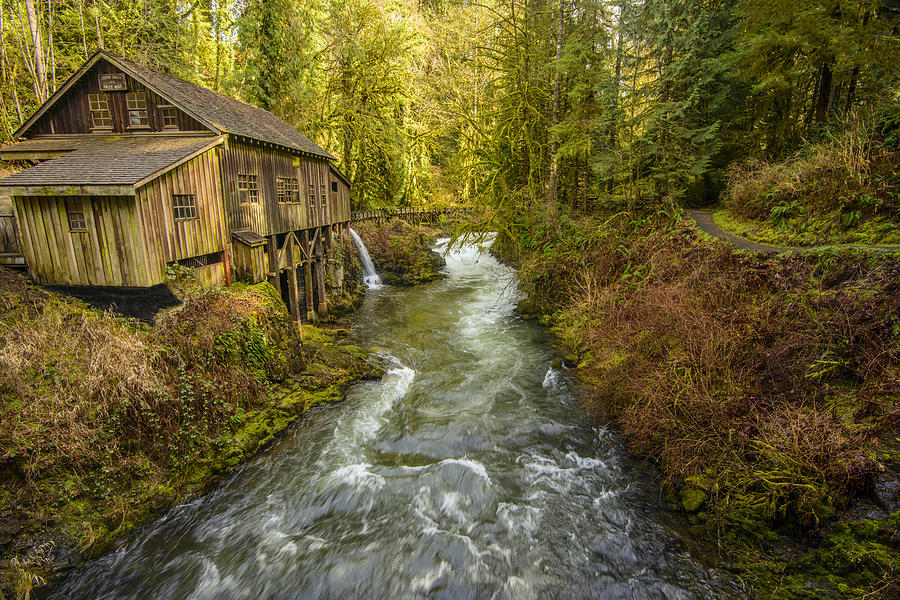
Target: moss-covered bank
x,y
765,388
105,422
402,253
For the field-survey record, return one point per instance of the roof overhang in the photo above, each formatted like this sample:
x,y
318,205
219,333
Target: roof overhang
x,y
31,154
67,190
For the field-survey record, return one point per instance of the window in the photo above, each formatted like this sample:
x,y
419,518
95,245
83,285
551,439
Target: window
x,y
75,212
100,115
169,116
183,207
311,192
323,194
288,189
137,109
334,186
248,188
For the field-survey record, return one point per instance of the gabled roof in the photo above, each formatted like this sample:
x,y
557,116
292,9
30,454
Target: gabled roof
x,y
220,113
104,165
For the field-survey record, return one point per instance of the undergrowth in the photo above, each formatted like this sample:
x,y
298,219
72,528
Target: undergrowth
x,y
760,385
842,189
104,420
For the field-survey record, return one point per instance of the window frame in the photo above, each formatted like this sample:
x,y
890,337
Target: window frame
x,y
311,192
166,111
248,189
287,190
102,105
182,211
141,105
75,215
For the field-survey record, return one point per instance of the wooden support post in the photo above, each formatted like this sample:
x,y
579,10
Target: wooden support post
x,y
308,280
292,280
226,258
273,263
320,275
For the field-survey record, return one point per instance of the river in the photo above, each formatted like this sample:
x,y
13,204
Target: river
x,y
469,471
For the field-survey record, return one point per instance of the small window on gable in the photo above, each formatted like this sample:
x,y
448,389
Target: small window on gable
x,y
75,212
248,188
100,115
288,189
183,207
137,109
334,186
169,116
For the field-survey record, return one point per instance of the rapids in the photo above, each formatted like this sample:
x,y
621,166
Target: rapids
x,y
469,471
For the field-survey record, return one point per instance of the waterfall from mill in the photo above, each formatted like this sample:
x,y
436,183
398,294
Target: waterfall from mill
x,y
373,281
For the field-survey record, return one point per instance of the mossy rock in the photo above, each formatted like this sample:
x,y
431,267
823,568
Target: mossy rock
x,y
693,499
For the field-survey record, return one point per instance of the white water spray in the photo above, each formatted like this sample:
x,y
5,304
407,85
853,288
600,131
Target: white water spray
x,y
370,277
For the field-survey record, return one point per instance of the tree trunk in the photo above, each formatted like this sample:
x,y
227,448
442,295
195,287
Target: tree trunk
x,y
554,135
823,98
614,128
40,85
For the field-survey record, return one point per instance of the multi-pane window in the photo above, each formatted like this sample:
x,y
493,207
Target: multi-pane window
x,y
323,192
248,188
169,116
288,189
183,207
100,115
311,192
75,212
137,109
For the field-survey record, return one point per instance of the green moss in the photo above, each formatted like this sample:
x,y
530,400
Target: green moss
x,y
693,499
804,231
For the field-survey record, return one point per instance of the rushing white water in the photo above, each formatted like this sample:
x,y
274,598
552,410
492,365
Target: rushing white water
x,y
467,472
370,277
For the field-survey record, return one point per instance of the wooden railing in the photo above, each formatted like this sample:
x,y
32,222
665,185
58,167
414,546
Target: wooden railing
x,y
10,252
415,215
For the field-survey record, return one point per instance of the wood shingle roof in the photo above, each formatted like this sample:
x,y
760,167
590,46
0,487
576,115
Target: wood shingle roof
x,y
117,163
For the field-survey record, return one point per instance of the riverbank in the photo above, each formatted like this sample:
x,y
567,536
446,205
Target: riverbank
x,y
765,388
106,422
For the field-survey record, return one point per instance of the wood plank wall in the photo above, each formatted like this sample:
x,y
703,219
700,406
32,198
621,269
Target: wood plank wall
x,y
71,113
269,217
166,239
109,252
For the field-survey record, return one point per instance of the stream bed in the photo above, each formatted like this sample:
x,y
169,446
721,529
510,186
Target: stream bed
x,y
469,471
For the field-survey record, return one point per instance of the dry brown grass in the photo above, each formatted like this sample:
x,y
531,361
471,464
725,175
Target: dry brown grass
x,y
768,378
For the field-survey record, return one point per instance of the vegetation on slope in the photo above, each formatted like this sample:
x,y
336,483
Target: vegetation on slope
x,y
105,421
762,386
842,190
402,253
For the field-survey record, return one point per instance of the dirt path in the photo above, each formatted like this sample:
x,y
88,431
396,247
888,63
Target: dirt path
x,y
705,222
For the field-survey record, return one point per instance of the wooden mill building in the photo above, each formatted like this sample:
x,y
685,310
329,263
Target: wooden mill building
x,y
135,170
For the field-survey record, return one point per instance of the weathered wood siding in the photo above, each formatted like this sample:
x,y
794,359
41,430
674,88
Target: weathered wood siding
x,y
267,216
71,113
168,240
340,199
250,264
109,252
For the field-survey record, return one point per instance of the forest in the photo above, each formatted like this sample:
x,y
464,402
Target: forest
x,y
764,387
613,104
